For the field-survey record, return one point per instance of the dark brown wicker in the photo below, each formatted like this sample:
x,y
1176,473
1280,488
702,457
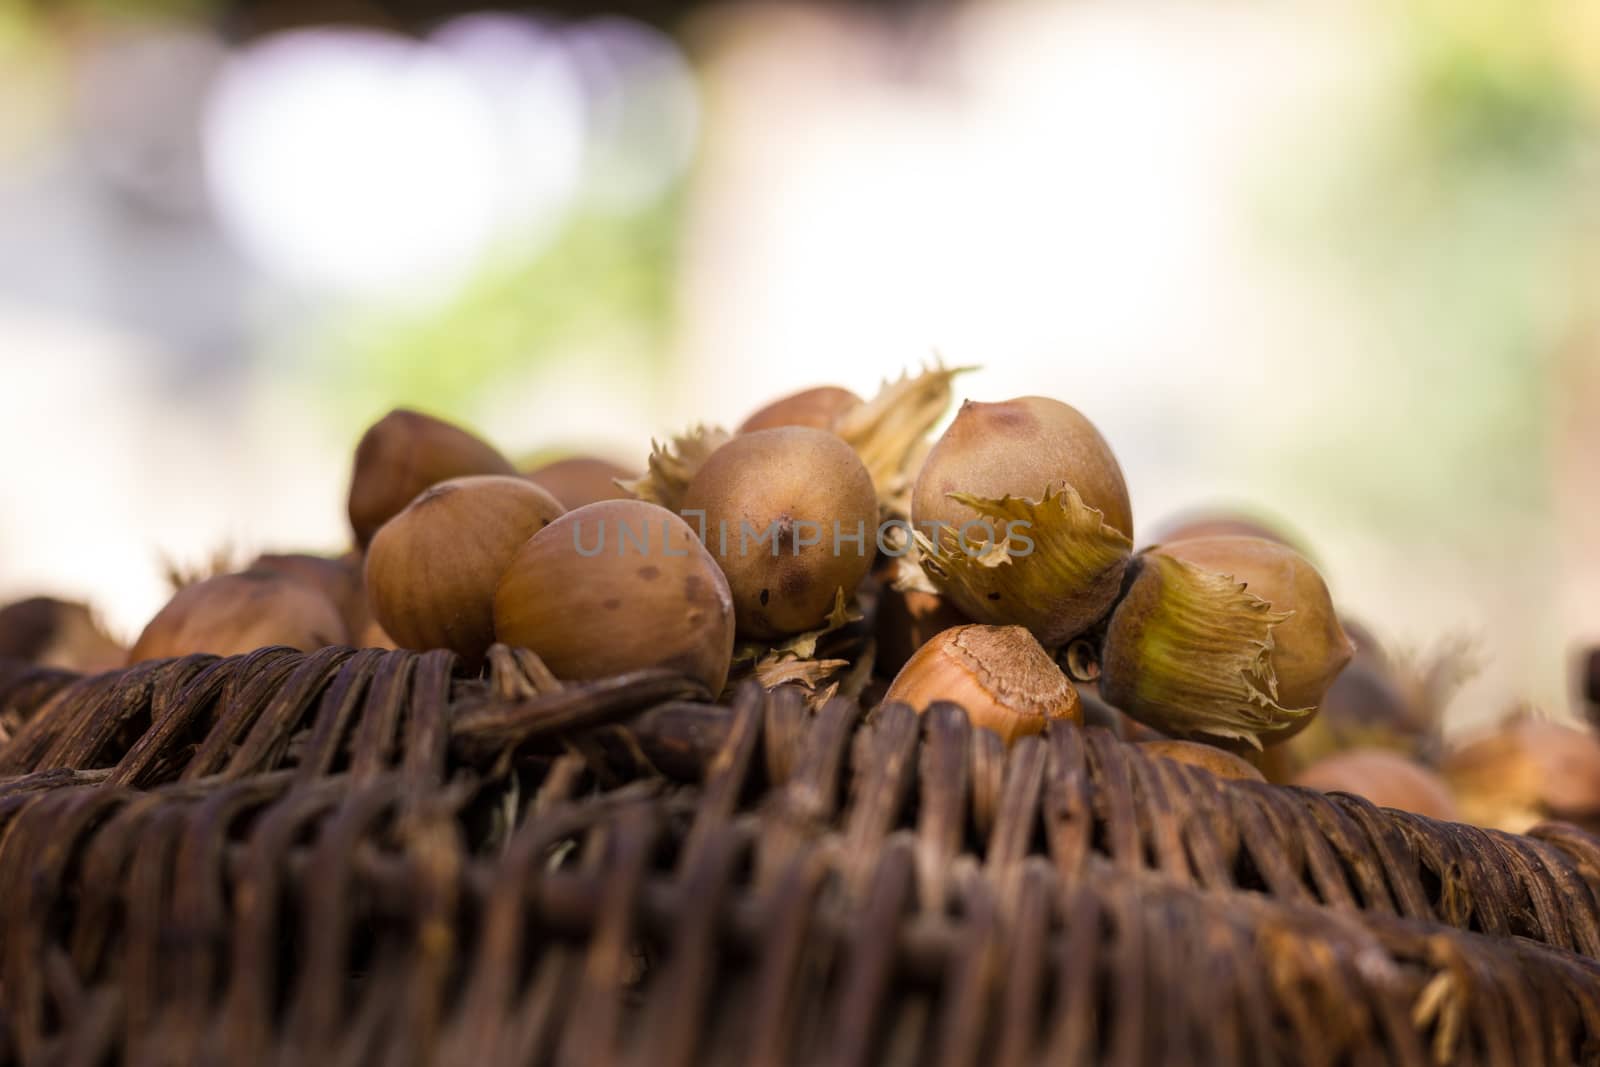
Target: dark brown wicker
x,y
356,857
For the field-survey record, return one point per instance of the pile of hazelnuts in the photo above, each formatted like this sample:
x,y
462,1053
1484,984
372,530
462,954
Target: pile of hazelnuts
x,y
995,567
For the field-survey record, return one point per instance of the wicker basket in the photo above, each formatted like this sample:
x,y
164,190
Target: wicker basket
x,y
358,857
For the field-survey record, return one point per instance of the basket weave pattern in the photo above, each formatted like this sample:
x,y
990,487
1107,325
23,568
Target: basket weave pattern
x,y
357,857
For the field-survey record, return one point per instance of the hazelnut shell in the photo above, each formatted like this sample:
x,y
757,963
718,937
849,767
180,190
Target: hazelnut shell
x,y
1038,467
579,480
433,569
1003,678
1385,778
233,614
818,408
404,453
1223,639
618,586
786,485
1206,757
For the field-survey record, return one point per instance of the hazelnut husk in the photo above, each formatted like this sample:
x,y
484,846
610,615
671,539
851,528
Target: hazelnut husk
x,y
1206,757
1228,638
232,614
579,480
1385,778
1001,675
818,408
432,570
57,633
1525,771
404,453
777,505
1022,517
618,586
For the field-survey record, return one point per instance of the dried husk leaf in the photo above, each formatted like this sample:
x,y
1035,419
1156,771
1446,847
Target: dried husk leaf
x,y
808,673
890,431
794,660
674,464
1189,652
1066,584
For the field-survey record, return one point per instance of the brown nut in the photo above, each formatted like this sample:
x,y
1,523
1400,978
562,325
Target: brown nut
x,y
1206,757
817,408
1022,517
778,507
1525,771
1226,638
339,579
1386,778
1003,678
432,570
404,453
618,586
59,634
579,480
232,614
1224,523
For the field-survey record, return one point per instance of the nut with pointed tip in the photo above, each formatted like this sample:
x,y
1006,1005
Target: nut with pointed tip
x,y
618,586
1035,467
1386,778
404,453
1226,638
818,408
1003,678
1206,757
786,498
579,480
432,570
232,614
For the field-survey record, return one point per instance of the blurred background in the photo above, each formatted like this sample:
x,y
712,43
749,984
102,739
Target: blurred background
x,y
1335,263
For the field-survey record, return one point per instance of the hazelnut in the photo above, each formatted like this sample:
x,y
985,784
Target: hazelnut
x,y
818,408
232,614
59,634
778,505
1003,678
339,579
1223,638
432,570
1224,523
579,480
1525,771
1206,757
1022,517
404,453
1386,778
618,586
